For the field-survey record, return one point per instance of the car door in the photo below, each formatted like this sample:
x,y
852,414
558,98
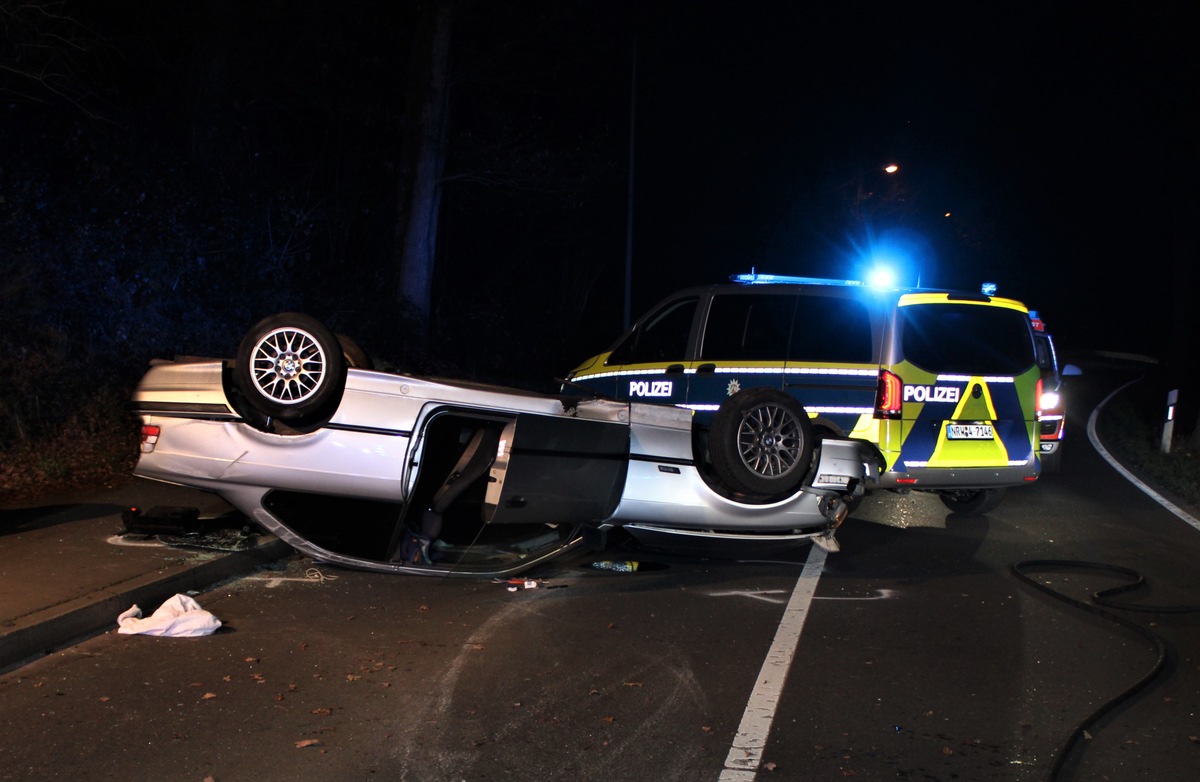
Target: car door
x,y
557,470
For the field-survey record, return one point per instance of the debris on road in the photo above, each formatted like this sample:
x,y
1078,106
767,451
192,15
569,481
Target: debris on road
x,y
179,617
619,567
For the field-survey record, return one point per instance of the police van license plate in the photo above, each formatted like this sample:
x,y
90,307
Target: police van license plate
x,y
969,432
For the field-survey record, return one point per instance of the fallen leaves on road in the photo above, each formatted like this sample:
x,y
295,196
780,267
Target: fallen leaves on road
x,y
308,743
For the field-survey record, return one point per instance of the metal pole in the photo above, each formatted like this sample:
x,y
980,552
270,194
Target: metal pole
x,y
629,197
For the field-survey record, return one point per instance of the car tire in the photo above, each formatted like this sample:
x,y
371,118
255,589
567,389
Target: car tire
x,y
972,501
291,367
1052,463
761,443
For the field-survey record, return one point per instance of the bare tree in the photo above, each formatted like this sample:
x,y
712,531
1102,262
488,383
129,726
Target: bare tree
x,y
41,49
424,159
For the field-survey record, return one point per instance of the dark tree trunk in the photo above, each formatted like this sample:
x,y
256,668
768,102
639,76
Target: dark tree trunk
x,y
420,178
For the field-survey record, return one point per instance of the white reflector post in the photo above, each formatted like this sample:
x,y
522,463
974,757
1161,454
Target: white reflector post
x,y
1169,426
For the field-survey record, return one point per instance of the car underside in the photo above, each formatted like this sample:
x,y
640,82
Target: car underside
x,y
399,473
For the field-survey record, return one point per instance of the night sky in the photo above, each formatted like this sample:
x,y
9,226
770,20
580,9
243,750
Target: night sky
x,y
1059,138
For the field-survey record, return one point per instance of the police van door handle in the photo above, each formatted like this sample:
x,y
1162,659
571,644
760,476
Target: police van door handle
x,y
706,369
674,369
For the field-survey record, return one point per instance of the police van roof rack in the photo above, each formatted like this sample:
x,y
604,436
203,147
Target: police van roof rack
x,y
754,278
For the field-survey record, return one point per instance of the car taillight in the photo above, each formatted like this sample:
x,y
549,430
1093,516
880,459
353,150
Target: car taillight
x,y
889,396
150,433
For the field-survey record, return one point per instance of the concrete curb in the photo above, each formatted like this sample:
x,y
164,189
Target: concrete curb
x,y
52,629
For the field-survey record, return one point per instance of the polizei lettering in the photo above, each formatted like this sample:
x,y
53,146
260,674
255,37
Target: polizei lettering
x,y
931,394
650,388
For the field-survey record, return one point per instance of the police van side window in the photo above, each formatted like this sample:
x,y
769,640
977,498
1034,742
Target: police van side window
x,y
748,327
832,329
1045,352
966,339
661,337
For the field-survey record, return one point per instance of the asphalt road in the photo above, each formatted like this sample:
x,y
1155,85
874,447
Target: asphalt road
x,y
921,656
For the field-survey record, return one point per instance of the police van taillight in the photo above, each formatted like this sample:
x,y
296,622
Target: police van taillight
x,y
889,396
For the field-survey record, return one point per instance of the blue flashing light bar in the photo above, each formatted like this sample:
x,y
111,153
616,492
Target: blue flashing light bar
x,y
754,278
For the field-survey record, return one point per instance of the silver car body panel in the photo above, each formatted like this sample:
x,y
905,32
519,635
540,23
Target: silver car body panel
x,y
592,462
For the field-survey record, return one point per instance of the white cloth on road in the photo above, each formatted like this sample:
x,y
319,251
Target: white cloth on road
x,y
179,617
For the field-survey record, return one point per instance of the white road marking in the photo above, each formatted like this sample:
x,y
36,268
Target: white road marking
x,y
311,576
745,755
1151,493
758,594
880,594
121,540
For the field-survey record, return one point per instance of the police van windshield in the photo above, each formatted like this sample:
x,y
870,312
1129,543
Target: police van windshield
x,y
662,336
966,339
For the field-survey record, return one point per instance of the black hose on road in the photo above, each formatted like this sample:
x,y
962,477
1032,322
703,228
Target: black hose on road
x,y
1103,598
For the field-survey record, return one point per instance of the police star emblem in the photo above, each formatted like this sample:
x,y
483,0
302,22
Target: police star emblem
x,y
733,387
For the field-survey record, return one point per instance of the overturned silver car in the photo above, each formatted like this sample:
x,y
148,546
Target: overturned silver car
x,y
395,473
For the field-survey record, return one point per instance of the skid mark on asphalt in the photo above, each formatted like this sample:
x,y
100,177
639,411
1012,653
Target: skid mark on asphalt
x,y
745,755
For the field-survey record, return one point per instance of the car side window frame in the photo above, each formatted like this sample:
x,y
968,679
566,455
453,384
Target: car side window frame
x,y
703,343
630,350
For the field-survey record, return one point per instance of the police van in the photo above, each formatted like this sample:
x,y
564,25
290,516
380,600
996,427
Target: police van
x,y
945,384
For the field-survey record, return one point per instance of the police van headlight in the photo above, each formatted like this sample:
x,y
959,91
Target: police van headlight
x,y
1050,400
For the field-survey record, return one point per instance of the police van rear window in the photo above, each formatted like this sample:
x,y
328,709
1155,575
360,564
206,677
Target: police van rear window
x,y
966,339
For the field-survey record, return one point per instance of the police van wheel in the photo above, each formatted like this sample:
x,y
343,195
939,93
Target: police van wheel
x,y
761,443
974,501
290,367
